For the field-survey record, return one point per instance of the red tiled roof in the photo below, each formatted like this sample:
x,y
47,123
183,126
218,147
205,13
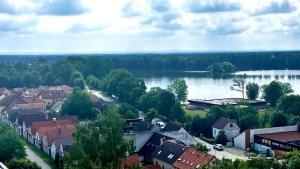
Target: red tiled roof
x,y
283,136
36,125
192,158
54,133
130,161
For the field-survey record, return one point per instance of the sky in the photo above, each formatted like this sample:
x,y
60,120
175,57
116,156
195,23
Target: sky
x,y
113,26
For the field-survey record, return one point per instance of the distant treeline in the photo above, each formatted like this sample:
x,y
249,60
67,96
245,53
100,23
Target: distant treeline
x,y
183,61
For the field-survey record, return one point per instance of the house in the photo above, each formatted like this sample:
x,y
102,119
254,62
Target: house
x,y
51,95
167,154
193,159
228,126
207,104
150,146
177,132
269,140
57,135
23,122
33,135
130,162
58,147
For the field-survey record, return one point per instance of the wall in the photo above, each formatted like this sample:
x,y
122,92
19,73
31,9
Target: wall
x,y
162,164
181,135
239,141
215,132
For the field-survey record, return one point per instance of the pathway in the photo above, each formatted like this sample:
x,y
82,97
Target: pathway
x,y
34,158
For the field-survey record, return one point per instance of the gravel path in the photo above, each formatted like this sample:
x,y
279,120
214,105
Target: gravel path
x,y
33,157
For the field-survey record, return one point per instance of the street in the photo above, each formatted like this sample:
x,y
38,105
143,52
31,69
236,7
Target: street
x,y
225,153
34,158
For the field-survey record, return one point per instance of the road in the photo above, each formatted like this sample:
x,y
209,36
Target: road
x,y
223,154
34,158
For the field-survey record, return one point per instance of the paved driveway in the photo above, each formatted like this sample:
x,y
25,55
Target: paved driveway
x,y
33,157
225,153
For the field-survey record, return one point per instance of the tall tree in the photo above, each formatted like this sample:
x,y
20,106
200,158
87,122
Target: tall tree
x,y
99,143
252,91
179,88
10,144
273,91
239,83
78,103
278,119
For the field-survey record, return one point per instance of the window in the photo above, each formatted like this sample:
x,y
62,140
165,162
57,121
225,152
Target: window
x,y
231,125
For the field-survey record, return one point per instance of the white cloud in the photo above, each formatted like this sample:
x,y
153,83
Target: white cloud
x,y
149,24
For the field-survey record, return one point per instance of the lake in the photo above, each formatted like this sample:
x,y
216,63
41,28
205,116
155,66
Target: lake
x,y
202,87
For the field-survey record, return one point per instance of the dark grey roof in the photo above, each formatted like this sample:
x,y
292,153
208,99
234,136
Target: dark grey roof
x,y
222,122
153,143
169,152
170,126
143,126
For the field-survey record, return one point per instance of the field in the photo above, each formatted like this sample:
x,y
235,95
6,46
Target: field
x,y
194,113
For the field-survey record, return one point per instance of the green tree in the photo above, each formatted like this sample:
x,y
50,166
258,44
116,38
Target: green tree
x,y
78,103
177,113
221,138
93,82
32,79
278,119
273,91
294,162
252,91
22,164
179,88
4,80
128,111
10,144
49,78
248,118
151,114
228,67
98,143
121,83
239,83
290,104
201,147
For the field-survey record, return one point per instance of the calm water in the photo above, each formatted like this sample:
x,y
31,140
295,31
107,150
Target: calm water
x,y
201,87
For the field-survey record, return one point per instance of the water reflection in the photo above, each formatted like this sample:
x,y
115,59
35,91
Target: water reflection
x,y
201,86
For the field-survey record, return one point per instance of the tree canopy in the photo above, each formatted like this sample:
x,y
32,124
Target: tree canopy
x,y
78,103
98,143
252,91
273,91
11,145
179,88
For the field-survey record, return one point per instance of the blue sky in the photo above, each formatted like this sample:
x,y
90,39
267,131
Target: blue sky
x,y
78,26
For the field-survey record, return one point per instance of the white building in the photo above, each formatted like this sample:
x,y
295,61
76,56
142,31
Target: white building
x,y
229,126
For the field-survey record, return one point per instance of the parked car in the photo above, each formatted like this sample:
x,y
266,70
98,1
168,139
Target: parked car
x,y
218,147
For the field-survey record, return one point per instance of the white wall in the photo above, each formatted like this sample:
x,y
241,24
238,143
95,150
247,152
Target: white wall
x,y
215,132
239,141
181,135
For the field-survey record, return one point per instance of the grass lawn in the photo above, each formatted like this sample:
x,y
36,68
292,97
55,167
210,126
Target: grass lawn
x,y
47,159
193,113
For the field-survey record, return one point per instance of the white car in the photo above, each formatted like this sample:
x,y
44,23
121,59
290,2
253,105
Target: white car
x,y
218,147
